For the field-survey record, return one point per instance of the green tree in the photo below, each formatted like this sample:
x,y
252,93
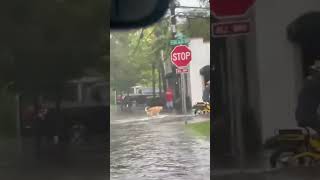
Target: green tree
x,y
197,28
123,73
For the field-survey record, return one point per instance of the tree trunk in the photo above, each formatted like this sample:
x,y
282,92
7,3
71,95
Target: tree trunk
x,y
153,80
160,84
164,81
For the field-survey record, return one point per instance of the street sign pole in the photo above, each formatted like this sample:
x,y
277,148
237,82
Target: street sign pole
x,y
183,94
179,41
181,56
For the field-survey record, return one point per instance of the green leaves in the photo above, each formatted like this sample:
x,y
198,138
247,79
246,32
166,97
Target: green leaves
x,y
134,52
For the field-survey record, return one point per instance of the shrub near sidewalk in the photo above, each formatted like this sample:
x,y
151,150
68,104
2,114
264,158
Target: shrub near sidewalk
x,y
200,128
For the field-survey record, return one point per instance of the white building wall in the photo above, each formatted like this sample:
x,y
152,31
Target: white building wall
x,y
278,61
200,58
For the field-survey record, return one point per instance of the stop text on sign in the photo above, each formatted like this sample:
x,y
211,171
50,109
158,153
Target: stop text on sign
x,y
181,56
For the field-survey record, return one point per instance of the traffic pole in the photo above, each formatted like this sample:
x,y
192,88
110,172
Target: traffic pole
x,y
173,6
183,93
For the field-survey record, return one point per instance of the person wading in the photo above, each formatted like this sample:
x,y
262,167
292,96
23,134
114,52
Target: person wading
x,y
169,99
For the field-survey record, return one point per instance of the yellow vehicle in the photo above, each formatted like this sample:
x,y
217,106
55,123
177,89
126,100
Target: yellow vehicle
x,y
201,108
294,147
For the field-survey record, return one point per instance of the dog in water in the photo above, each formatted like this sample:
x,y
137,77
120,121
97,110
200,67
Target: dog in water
x,y
153,111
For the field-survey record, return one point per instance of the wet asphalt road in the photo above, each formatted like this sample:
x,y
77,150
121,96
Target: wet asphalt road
x,y
156,149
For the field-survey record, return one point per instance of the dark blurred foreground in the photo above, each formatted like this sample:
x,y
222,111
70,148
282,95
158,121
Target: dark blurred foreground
x,y
77,161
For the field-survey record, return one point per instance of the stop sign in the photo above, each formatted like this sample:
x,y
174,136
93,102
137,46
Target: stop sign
x,y
181,56
230,8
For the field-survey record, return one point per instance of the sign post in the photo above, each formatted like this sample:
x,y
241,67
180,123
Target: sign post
x,y
181,57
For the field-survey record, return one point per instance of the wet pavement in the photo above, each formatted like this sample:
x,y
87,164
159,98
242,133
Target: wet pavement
x,y
159,148
82,162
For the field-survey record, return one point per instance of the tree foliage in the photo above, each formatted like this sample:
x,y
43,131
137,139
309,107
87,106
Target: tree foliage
x,y
197,28
134,52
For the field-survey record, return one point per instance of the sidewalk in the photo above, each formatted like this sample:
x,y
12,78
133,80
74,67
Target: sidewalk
x,y
199,118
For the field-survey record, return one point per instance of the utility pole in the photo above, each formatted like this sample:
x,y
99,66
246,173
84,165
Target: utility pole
x,y
173,18
182,76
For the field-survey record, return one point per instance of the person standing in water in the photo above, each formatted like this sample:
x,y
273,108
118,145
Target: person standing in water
x,y
169,99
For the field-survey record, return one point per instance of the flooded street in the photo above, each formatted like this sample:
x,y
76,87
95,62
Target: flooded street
x,y
159,148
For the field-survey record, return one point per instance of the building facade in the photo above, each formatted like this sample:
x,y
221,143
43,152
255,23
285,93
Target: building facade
x,y
200,60
260,74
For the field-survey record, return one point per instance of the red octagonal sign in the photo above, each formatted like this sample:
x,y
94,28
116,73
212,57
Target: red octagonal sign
x,y
181,56
230,8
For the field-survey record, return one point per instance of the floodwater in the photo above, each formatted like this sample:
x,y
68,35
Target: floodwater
x,y
158,148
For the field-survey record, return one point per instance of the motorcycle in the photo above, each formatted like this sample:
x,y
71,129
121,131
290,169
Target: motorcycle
x,y
293,147
201,108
